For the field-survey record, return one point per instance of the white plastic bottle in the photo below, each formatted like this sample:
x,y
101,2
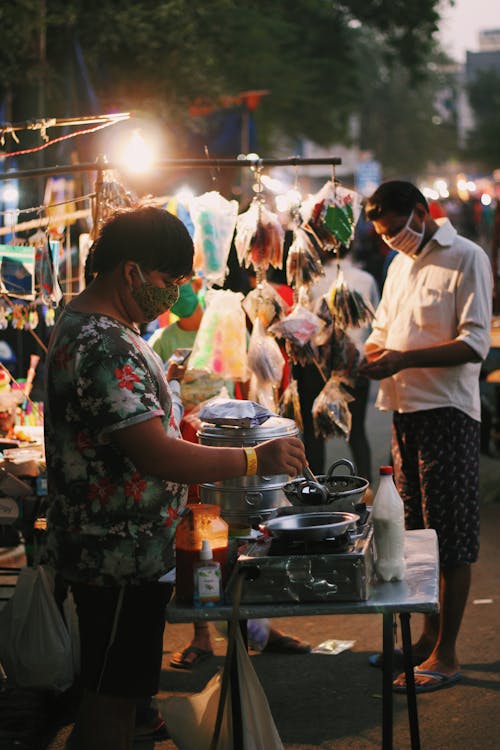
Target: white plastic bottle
x,y
388,528
207,578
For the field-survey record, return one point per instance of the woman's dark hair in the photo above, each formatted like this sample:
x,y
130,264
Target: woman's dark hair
x,y
396,195
156,239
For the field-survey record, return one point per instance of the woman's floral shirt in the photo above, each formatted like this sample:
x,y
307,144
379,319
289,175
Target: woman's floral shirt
x,y
108,524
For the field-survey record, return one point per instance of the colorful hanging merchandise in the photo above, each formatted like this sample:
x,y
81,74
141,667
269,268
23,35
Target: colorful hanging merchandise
x,y
303,265
289,404
299,329
331,215
259,238
264,303
214,220
17,271
266,363
47,257
220,344
331,415
347,306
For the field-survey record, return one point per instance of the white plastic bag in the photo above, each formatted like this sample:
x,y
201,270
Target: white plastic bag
x,y
191,718
35,644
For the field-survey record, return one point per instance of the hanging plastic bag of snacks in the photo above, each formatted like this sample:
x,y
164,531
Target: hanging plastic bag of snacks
x,y
214,220
332,214
220,344
347,306
303,265
265,359
331,415
299,329
259,237
289,404
265,303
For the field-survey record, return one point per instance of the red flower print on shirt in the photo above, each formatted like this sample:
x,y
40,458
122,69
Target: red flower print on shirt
x,y
135,486
172,515
101,491
126,377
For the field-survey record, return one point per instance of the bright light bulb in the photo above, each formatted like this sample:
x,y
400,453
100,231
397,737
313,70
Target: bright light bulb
x,y
486,199
137,155
184,195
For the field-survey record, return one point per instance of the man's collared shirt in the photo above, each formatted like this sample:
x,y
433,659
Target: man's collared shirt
x,y
443,294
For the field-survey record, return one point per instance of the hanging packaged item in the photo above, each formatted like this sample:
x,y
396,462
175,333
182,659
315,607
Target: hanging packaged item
x,y
220,345
303,265
265,359
299,329
331,415
259,237
289,404
331,215
17,271
347,306
264,302
214,220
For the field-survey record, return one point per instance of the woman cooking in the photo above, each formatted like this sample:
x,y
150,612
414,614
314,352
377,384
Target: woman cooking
x,y
118,470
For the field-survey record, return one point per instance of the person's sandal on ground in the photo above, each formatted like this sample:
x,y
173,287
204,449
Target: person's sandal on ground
x,y
190,657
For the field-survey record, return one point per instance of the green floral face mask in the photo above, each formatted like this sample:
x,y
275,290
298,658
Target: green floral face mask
x,y
154,300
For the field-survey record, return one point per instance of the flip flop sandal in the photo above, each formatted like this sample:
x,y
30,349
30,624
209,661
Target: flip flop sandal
x,y
179,660
440,681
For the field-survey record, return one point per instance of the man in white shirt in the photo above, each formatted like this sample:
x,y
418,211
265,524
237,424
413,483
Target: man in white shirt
x,y
429,337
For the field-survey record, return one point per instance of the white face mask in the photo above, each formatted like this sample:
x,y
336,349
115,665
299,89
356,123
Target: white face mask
x,y
407,240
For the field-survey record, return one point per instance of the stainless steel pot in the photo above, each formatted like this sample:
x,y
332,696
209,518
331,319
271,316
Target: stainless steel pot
x,y
247,499
306,526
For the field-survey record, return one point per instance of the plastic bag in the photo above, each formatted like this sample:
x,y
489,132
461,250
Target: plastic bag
x,y
331,415
289,404
214,220
220,345
264,303
331,215
35,644
191,718
347,306
303,265
265,359
234,412
259,238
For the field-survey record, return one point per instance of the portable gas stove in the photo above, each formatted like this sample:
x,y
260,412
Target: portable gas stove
x,y
283,570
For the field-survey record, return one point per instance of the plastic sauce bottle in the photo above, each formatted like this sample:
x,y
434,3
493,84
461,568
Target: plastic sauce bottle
x,y
388,529
201,521
207,578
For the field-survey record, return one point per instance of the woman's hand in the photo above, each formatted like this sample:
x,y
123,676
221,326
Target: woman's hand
x,y
284,455
175,371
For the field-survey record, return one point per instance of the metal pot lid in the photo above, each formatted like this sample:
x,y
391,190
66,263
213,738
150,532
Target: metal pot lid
x,y
271,428
311,525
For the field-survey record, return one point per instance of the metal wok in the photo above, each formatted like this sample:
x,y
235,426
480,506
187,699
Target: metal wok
x,y
341,491
305,526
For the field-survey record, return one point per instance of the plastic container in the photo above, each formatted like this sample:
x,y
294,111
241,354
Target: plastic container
x,y
201,521
388,528
207,578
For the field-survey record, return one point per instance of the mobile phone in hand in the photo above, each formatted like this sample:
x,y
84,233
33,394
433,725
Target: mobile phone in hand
x,y
180,355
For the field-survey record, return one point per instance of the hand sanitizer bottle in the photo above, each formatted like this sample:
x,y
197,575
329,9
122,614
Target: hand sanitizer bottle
x,y
207,578
388,528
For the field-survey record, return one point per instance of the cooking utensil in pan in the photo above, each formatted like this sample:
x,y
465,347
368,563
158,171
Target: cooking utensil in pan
x,y
305,526
342,490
